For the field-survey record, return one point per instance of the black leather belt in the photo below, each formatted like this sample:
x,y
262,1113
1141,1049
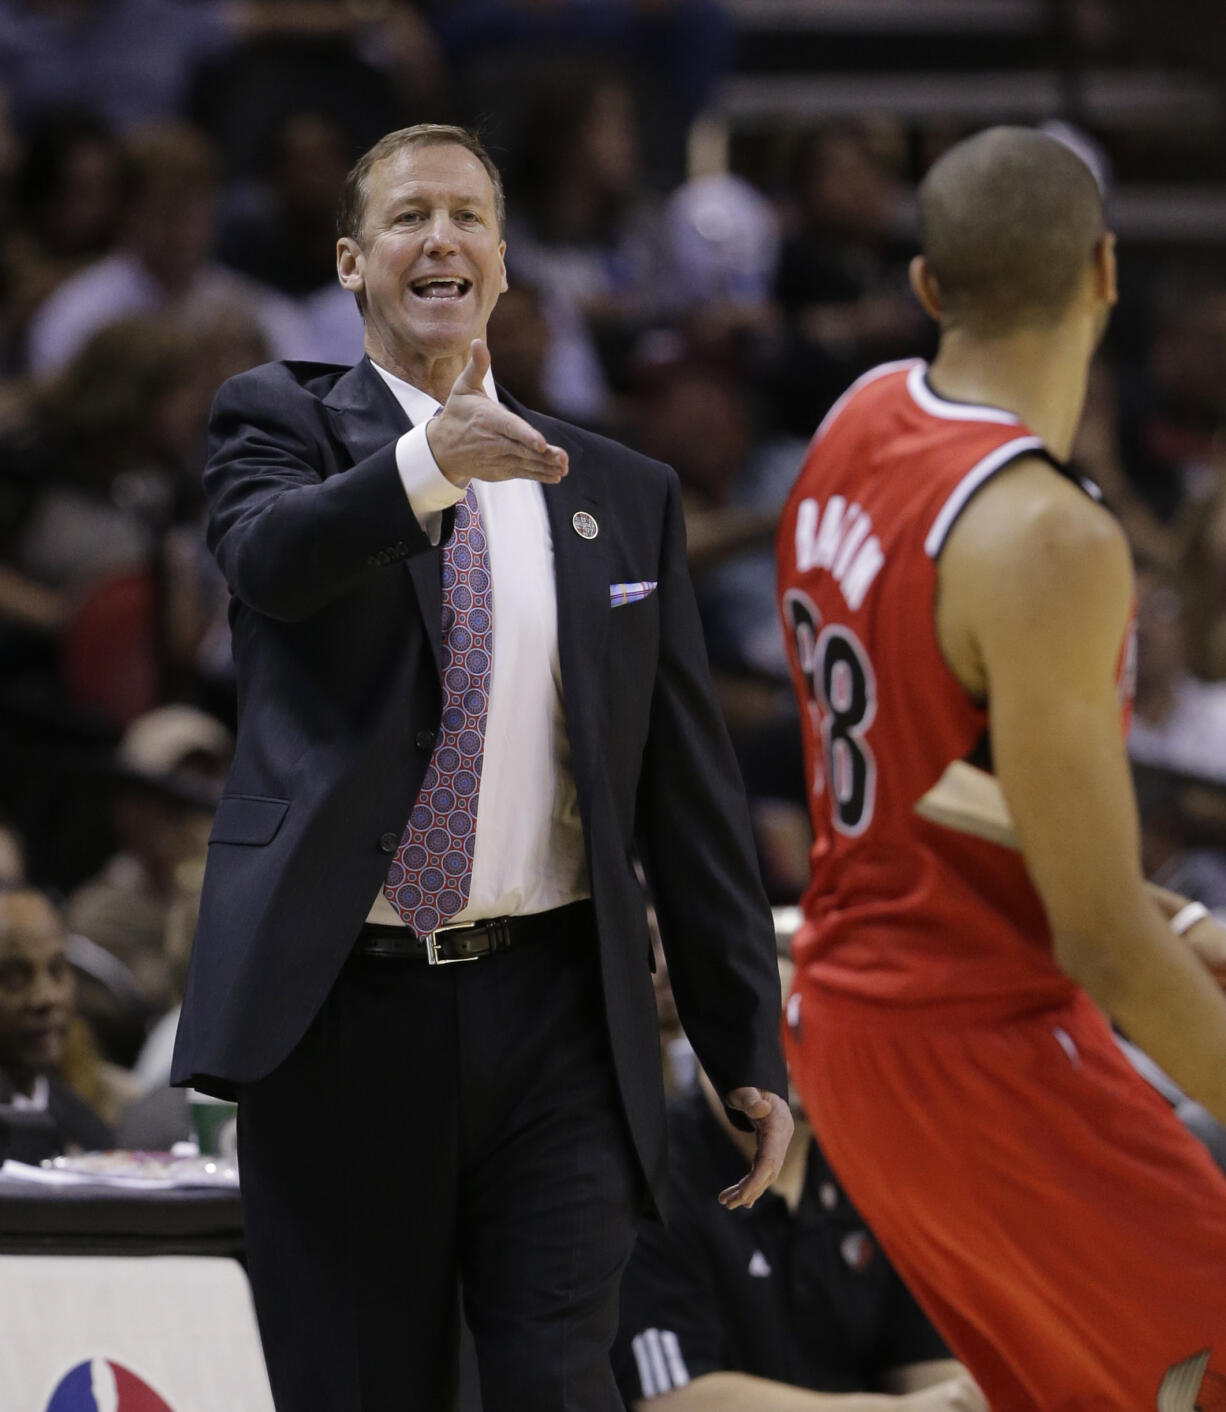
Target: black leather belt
x,y
470,941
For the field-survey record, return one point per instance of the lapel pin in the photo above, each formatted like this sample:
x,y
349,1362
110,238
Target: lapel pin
x,y
585,525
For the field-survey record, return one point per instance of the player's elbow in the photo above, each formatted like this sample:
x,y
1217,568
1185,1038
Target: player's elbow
x,y
271,576
1086,956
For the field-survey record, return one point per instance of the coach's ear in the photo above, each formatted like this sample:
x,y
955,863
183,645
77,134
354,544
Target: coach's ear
x,y
350,265
924,283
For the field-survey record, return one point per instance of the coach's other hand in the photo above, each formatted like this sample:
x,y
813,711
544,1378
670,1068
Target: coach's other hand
x,y
473,438
772,1123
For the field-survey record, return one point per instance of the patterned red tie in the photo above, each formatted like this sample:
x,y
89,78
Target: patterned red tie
x,y
429,880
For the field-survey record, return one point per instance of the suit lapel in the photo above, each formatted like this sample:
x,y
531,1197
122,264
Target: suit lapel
x,y
581,576
367,416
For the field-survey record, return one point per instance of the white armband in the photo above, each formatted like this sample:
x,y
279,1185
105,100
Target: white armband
x,y
1187,917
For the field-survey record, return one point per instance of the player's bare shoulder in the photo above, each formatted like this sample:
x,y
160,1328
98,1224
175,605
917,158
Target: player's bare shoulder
x,y
1032,559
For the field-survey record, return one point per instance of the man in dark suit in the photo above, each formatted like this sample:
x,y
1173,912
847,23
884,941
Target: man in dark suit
x,y
452,611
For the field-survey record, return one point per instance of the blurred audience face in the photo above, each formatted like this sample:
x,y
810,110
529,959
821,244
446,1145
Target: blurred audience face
x,y
845,189
430,216
36,986
169,213
161,833
310,167
69,186
80,216
606,150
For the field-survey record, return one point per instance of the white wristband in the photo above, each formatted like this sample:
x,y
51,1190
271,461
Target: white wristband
x,y
1187,917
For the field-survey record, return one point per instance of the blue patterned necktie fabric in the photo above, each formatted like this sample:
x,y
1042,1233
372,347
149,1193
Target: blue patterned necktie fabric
x,y
429,880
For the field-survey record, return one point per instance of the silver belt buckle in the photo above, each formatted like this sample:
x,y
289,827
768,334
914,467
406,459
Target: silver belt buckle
x,y
432,956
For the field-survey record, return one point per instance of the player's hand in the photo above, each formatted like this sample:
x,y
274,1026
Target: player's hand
x,y
1208,939
473,438
960,1394
772,1122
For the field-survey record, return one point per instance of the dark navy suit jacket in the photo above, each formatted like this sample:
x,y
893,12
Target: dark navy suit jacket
x,y
336,619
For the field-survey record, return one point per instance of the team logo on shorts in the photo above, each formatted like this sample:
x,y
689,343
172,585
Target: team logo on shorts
x,y
104,1386
1191,1387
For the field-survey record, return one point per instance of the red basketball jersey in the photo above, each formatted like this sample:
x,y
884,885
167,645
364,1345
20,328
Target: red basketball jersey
x,y
900,911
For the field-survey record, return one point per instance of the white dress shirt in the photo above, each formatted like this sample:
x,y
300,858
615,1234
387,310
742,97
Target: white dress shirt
x,y
529,854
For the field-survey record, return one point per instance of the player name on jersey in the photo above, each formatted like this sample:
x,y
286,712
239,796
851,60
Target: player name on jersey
x,y
839,538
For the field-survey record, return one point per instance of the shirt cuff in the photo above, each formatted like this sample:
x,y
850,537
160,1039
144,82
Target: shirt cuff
x,y
428,489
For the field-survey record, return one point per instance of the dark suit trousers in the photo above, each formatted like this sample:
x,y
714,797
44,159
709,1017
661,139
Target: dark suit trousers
x,y
436,1126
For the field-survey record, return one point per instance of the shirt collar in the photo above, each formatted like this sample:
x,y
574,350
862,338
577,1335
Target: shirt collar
x,y
419,406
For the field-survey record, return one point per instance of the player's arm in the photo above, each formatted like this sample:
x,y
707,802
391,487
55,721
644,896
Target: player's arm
x,y
740,1392
1038,581
1206,935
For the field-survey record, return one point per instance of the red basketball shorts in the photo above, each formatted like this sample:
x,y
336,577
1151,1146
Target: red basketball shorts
x,y
1063,1231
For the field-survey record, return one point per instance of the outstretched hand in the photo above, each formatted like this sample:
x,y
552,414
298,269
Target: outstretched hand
x,y
473,438
772,1123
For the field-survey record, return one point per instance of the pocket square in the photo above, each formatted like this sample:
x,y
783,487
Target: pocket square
x,y
621,593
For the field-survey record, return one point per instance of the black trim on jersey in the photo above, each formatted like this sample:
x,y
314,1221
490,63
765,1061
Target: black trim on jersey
x,y
1088,487
981,754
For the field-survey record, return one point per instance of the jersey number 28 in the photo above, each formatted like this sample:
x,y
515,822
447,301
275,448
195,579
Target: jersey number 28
x,y
842,693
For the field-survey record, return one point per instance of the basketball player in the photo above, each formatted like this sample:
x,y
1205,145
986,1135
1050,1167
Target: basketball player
x,y
943,572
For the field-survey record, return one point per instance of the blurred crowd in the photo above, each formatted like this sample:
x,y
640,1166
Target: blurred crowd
x,y
168,176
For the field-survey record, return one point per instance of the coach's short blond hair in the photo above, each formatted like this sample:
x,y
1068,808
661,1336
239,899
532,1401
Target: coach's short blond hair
x,y
351,215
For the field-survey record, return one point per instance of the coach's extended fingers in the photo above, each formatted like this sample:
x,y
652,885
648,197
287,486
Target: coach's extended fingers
x,y
473,438
773,1124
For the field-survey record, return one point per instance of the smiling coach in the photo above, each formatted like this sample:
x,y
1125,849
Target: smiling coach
x,y
471,688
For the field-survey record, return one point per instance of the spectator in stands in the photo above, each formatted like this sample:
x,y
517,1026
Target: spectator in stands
x,y
368,67
722,237
164,260
286,236
1179,721
793,1295
128,60
99,462
582,228
170,766
842,280
36,1009
677,51
694,409
134,61
66,210
1174,406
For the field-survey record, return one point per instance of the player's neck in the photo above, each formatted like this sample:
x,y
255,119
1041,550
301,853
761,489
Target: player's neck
x,y
1038,375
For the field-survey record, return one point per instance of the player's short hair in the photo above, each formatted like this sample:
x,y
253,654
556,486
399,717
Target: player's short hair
x,y
351,213
1009,222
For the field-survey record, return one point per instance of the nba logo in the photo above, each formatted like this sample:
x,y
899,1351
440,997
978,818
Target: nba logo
x,y
103,1386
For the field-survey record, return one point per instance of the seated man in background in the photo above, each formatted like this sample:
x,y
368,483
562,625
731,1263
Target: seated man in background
x,y
785,1307
167,777
39,1113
